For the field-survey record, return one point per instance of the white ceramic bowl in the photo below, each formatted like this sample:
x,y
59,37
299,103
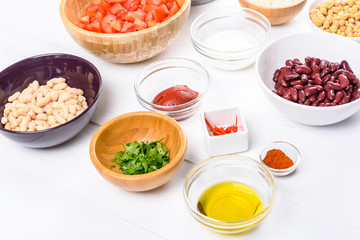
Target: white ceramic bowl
x,y
227,143
313,6
324,46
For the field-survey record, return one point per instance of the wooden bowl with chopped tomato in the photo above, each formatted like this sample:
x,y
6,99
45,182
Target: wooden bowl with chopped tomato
x,y
124,31
138,172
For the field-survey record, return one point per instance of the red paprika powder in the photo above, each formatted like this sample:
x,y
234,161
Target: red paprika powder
x,y
277,159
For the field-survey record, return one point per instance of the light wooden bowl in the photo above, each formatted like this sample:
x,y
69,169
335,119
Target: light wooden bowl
x,y
123,47
138,126
276,15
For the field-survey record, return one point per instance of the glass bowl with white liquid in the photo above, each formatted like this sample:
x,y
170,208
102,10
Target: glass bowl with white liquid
x,y
230,38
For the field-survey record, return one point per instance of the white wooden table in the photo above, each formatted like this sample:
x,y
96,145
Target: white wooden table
x,y
56,193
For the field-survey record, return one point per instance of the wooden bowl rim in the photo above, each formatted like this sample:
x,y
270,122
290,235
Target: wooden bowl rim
x,y
274,8
172,163
68,23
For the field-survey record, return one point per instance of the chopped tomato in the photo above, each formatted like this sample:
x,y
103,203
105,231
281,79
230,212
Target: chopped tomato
x,y
115,8
106,23
158,14
174,9
91,10
116,1
118,16
151,23
139,25
117,25
128,27
85,20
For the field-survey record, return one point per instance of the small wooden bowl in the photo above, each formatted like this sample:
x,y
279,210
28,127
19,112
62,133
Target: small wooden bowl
x,y
137,126
123,47
276,15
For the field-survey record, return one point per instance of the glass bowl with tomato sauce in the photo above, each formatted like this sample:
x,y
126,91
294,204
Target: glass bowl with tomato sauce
x,y
174,87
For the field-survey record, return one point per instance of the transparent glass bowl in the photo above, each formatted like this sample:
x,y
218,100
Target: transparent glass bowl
x,y
230,38
167,73
229,168
290,150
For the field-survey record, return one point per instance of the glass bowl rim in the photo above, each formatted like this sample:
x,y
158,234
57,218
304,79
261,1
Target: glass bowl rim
x,y
222,13
226,224
171,63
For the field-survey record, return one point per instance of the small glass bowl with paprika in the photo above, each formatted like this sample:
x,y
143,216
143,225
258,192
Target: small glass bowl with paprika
x,y
281,158
174,87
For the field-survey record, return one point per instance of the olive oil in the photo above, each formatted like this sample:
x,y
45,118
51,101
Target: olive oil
x,y
229,201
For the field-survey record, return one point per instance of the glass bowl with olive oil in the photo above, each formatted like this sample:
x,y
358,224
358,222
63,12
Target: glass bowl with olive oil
x,y
229,193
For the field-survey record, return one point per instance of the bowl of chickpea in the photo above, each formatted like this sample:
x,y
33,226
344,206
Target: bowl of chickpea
x,y
47,99
338,17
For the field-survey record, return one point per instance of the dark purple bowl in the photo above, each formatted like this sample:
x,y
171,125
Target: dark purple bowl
x,y
79,73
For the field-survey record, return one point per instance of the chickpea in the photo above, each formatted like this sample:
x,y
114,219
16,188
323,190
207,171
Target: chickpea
x,y
338,17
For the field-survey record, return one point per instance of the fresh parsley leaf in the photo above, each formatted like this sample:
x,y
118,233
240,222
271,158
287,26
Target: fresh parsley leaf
x,y
142,157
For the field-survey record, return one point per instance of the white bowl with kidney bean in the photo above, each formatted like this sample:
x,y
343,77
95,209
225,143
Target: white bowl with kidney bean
x,y
311,77
41,107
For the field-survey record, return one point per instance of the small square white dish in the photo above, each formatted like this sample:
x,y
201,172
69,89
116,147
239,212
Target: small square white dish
x,y
227,143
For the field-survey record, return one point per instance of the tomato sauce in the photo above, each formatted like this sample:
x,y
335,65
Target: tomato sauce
x,y
176,95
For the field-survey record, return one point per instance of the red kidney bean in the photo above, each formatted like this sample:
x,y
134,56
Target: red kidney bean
x,y
324,72
329,104
316,82
294,94
287,94
338,97
321,104
348,74
310,91
308,60
304,78
315,103
302,97
319,88
296,61
354,82
344,100
307,102
326,100
345,65
291,76
302,69
311,82
334,86
330,95
337,73
313,97
321,96
297,82
289,63
326,78
281,90
276,75
343,80
298,87
285,83
316,61
317,79
323,64
334,66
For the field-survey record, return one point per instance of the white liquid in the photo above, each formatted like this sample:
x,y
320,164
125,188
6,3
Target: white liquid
x,y
231,41
232,46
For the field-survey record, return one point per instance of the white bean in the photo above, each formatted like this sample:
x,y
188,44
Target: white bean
x,y
14,97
